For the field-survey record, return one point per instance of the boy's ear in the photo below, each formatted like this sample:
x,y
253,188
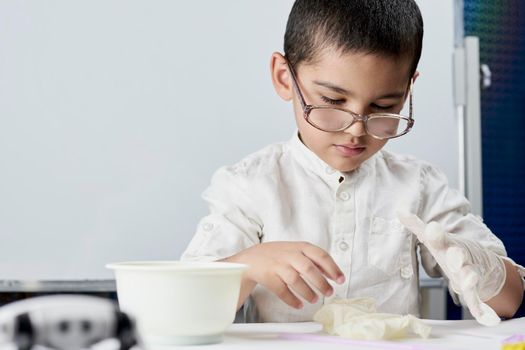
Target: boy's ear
x,y
414,77
281,76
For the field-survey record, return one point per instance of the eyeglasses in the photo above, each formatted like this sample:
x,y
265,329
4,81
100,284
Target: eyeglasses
x,y
381,126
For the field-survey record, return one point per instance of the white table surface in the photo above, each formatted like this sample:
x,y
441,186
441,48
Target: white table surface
x,y
466,334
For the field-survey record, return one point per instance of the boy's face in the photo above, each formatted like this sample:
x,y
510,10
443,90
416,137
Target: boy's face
x,y
362,83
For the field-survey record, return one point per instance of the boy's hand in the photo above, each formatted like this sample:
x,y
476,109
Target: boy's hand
x,y
286,268
475,273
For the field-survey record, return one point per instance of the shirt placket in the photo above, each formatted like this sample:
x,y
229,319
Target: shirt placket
x,y
344,231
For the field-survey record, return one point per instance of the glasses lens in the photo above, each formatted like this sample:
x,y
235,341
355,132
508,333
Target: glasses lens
x,y
386,126
329,119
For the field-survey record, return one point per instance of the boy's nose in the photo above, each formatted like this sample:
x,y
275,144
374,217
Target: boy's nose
x,y
356,129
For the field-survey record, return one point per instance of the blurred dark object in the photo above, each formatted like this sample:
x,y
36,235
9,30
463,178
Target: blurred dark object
x,y
65,322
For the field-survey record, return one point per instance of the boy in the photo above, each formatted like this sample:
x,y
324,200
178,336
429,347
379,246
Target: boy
x,y
316,217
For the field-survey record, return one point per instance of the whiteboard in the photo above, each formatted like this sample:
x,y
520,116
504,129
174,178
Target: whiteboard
x,y
114,115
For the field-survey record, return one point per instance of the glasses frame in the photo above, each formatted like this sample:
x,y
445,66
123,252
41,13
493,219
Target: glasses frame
x,y
307,109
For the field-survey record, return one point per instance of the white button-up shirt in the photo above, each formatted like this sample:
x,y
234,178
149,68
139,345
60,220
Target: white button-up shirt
x,y
286,193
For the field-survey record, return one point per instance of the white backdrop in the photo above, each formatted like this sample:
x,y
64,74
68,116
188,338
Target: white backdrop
x,y
115,113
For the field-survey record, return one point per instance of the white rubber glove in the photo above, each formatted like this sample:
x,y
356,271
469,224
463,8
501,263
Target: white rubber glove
x,y
475,273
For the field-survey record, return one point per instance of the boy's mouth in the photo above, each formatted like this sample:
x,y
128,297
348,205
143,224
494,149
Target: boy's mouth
x,y
350,149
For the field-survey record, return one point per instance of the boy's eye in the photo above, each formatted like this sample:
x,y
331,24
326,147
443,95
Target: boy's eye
x,y
383,108
332,101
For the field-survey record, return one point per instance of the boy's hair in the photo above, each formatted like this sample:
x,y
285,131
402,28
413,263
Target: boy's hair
x,y
385,27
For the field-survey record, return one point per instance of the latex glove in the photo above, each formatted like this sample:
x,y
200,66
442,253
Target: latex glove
x,y
358,318
475,273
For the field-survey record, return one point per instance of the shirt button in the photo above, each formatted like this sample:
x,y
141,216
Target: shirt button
x,y
344,196
329,170
207,226
343,246
406,272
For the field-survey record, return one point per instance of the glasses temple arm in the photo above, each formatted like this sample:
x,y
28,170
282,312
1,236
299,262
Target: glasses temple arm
x,y
410,99
296,87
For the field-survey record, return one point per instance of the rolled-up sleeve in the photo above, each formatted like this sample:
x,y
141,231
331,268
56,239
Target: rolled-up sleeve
x,y
232,224
452,210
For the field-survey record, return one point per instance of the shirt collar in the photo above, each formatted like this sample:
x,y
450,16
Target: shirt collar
x,y
309,160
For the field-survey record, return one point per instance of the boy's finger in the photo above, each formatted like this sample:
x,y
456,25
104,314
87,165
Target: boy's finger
x,y
435,235
324,261
312,273
455,258
293,279
279,288
483,313
469,277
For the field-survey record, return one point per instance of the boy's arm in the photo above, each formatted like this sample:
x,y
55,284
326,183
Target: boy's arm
x,y
440,203
232,232
480,276
232,223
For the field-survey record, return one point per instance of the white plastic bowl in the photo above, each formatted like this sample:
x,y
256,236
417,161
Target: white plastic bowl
x,y
179,303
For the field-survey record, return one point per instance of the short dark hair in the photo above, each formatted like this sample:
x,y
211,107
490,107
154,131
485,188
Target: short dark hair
x,y
386,27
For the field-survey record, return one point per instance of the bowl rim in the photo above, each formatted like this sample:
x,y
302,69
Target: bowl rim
x,y
176,265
